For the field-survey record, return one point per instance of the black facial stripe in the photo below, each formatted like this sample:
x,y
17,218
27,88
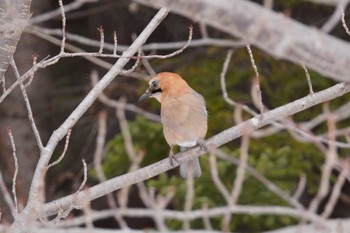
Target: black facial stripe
x,y
155,91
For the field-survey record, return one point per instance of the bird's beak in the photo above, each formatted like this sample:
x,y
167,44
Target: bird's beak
x,y
145,95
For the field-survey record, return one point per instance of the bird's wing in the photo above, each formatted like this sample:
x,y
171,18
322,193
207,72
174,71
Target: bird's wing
x,y
184,118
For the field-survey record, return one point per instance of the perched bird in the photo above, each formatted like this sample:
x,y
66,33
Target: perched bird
x,y
184,116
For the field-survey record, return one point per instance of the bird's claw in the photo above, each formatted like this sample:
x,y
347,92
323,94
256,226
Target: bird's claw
x,y
172,158
202,145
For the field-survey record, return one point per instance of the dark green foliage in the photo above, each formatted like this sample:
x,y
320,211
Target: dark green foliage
x,y
148,139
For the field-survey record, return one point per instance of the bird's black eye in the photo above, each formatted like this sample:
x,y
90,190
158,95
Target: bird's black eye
x,y
155,84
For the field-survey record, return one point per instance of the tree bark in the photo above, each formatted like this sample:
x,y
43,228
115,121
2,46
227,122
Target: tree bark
x,y
14,15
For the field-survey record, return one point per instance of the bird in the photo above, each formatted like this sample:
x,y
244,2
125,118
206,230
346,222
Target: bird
x,y
183,114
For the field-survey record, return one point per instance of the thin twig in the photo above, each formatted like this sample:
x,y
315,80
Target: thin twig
x,y
147,47
308,78
206,219
335,17
345,26
31,78
223,85
215,177
135,65
63,15
222,78
301,187
3,83
257,82
6,195
330,159
28,106
238,182
64,150
336,190
188,198
85,177
14,154
57,12
115,40
100,144
252,210
102,39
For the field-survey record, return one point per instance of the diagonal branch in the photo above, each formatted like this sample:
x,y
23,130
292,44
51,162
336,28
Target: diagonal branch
x,y
215,141
276,34
58,134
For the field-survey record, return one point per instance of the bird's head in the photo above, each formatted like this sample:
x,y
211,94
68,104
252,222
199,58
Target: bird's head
x,y
163,82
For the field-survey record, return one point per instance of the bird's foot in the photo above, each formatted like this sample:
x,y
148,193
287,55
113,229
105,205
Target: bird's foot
x,y
173,159
202,144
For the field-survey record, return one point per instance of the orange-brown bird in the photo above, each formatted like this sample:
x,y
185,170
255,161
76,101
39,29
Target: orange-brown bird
x,y
184,116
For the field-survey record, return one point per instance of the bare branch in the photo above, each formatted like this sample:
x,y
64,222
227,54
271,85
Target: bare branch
x,y
256,91
28,106
14,154
85,178
188,198
345,26
102,39
330,159
7,197
63,15
57,12
115,40
35,59
64,150
336,16
308,78
146,47
301,187
100,143
336,190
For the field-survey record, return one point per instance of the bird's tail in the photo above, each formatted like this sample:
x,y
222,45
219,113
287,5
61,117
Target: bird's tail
x,y
191,168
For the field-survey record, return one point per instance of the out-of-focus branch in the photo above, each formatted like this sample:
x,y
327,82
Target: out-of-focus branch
x,y
272,32
14,17
194,214
335,17
337,188
7,196
146,47
57,12
330,159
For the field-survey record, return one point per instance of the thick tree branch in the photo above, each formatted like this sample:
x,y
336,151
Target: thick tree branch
x,y
14,16
272,32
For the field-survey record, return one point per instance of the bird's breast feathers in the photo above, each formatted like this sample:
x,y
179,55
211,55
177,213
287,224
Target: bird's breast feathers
x,y
184,118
